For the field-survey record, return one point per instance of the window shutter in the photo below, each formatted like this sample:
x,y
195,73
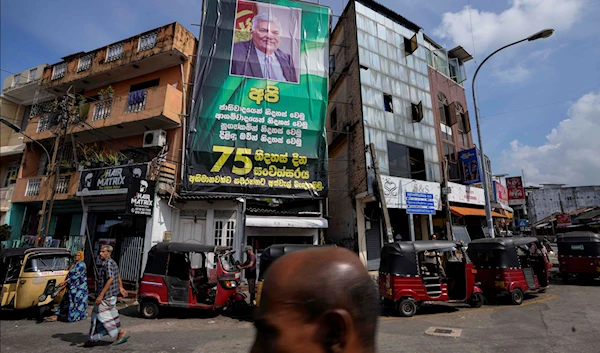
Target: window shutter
x,y
467,122
417,112
451,114
410,45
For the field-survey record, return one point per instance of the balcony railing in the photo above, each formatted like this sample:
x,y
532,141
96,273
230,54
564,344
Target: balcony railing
x,y
147,41
115,52
62,185
136,101
33,187
102,110
5,197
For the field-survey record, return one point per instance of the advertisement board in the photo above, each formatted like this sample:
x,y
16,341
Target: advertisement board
x,y
257,125
140,198
409,193
110,180
470,162
516,192
466,194
500,194
563,220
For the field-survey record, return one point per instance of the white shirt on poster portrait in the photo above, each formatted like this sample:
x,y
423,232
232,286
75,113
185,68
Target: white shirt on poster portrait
x,y
262,59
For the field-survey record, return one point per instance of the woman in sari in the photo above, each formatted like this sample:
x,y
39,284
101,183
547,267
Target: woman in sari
x,y
74,303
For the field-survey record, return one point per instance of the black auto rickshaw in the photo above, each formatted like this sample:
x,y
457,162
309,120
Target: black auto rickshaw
x,y
510,266
272,253
579,255
30,277
416,272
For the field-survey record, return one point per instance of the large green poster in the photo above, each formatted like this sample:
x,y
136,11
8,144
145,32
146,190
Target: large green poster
x,y
260,100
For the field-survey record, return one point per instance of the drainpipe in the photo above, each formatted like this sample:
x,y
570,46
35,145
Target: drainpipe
x,y
183,122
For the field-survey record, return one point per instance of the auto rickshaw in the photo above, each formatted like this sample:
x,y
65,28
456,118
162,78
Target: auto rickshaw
x,y
30,277
510,266
169,279
414,272
272,253
578,255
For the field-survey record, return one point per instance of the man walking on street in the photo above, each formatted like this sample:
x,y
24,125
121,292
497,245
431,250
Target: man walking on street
x,y
250,267
105,316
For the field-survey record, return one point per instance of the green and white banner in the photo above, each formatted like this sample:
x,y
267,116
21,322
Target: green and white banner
x,y
260,100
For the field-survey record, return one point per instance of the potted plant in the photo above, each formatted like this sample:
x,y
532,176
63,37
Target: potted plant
x,y
65,166
110,92
81,100
112,158
101,94
101,158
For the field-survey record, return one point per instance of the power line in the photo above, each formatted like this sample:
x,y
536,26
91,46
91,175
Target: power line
x,y
472,36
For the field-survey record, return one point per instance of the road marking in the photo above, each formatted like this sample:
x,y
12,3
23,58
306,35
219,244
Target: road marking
x,y
444,331
475,310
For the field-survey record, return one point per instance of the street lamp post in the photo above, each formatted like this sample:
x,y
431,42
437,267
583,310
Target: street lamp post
x,y
18,130
488,207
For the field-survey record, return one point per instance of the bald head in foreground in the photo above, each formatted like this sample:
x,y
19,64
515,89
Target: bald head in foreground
x,y
317,300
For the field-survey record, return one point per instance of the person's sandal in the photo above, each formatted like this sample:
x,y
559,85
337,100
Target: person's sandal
x,y
51,319
120,340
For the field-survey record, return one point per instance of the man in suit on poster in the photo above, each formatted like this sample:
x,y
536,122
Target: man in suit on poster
x,y
260,56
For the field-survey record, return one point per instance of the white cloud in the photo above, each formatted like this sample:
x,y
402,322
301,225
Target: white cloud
x,y
571,153
522,19
515,74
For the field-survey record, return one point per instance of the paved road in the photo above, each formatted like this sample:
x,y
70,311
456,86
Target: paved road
x,y
565,319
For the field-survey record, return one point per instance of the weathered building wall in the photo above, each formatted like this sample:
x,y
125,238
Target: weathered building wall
x,y
544,202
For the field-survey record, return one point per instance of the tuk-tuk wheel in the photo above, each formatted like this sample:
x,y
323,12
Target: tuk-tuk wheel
x,y
476,300
407,307
517,296
149,309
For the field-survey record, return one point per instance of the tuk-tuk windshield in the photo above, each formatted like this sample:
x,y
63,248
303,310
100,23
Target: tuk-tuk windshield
x,y
228,262
48,262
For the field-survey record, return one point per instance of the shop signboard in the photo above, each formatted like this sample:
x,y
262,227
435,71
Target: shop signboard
x,y
516,192
409,193
500,194
109,180
257,125
470,163
466,194
563,220
140,198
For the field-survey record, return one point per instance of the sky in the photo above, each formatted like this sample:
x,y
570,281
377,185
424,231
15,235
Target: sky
x,y
539,101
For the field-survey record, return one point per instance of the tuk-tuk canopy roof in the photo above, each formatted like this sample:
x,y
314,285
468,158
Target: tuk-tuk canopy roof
x,y
500,243
419,246
22,251
400,258
187,247
579,237
274,252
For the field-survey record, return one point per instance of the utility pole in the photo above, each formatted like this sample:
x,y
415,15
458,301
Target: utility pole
x,y
384,209
66,107
447,201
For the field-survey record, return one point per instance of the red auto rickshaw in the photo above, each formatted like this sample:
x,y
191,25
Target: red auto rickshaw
x,y
510,266
414,272
579,255
169,279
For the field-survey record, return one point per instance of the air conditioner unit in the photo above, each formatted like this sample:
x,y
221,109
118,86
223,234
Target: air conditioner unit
x,y
155,138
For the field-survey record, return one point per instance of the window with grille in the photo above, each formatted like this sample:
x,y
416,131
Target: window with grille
x,y
224,232
59,71
85,62
32,74
16,80
11,174
443,108
114,52
147,41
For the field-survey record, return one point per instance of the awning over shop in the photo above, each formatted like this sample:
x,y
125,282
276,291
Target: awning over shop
x,y
12,150
467,211
286,222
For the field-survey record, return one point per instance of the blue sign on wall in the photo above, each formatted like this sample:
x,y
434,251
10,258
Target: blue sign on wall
x,y
419,203
471,165
522,223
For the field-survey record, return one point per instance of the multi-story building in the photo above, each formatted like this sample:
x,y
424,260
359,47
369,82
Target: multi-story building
x,y
549,199
17,96
385,80
132,99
